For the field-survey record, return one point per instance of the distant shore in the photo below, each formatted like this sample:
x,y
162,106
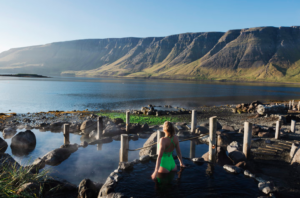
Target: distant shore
x,y
25,75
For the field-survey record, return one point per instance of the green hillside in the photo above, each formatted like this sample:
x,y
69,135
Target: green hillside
x,y
254,54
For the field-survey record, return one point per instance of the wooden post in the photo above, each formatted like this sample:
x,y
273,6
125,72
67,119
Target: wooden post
x,y
99,127
127,120
299,106
247,138
192,149
277,131
212,139
293,125
124,148
158,136
194,121
290,104
66,134
293,101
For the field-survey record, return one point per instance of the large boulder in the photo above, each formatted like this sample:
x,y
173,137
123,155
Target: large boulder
x,y
3,145
206,124
234,154
23,143
8,132
87,126
6,161
118,120
150,150
112,130
222,158
134,128
88,189
58,155
36,165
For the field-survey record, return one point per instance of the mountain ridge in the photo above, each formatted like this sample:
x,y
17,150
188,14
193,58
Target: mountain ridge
x,y
251,54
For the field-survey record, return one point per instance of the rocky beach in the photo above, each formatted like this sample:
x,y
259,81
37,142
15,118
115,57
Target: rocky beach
x,y
268,155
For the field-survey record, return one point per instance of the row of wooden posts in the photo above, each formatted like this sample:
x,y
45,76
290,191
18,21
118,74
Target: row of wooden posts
x,y
212,136
291,104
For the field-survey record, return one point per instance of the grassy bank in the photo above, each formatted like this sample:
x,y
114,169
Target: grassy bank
x,y
143,119
12,177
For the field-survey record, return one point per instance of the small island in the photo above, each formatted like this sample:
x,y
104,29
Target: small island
x,y
25,75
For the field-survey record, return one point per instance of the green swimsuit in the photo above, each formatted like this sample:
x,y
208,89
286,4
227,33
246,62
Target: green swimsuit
x,y
167,160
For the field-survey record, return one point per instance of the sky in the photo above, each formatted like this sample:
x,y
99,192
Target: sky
x,y
35,22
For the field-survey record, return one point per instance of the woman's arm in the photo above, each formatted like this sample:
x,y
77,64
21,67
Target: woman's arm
x,y
160,154
178,151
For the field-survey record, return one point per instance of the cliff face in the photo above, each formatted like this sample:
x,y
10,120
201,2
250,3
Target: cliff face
x,y
264,53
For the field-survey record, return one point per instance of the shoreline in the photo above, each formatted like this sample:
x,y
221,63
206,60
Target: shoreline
x,y
191,79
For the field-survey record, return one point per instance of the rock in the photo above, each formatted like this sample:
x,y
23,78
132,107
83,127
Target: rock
x,y
269,109
30,188
3,146
88,189
133,137
266,187
84,144
199,159
107,188
150,150
36,166
93,134
248,174
234,110
134,128
144,158
228,128
103,140
58,155
234,154
265,134
87,126
222,158
26,120
116,137
23,143
62,188
8,132
118,120
125,165
232,169
255,129
145,127
7,161
241,164
56,124
112,130
74,128
206,124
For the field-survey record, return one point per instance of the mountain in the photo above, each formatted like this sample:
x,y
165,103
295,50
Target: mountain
x,y
253,54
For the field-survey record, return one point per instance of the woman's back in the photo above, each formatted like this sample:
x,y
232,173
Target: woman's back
x,y
169,143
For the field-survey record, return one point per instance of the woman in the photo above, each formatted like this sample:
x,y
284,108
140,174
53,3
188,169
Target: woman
x,y
165,162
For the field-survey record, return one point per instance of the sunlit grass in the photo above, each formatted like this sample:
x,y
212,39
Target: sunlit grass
x,y
142,119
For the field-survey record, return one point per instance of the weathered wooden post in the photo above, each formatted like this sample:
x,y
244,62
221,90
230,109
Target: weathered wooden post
x,y
293,125
212,139
192,149
66,134
293,102
124,148
247,138
277,131
158,136
99,127
290,104
194,121
299,106
127,120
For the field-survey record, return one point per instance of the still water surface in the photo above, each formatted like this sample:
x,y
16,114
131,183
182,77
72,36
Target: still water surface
x,y
22,95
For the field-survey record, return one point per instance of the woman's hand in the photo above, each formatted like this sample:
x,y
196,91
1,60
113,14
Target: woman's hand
x,y
182,165
153,176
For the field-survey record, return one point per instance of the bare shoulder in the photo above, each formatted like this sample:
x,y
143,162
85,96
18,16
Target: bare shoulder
x,y
175,139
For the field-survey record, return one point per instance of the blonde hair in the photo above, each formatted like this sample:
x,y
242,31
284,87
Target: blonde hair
x,y
169,128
